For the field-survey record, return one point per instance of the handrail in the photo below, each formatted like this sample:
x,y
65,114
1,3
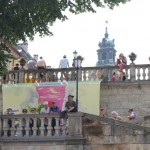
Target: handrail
x,y
118,123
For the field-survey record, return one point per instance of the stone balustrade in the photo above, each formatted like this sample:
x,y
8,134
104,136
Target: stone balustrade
x,y
29,126
133,72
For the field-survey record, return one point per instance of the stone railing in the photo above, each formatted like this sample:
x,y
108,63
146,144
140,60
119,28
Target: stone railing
x,y
29,126
132,72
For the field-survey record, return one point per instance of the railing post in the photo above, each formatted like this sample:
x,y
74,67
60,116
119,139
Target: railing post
x,y
132,72
75,124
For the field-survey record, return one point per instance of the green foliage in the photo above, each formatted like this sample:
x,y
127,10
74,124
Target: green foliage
x,y
22,19
5,57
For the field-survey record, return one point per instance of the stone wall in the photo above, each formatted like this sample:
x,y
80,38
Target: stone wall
x,y
120,96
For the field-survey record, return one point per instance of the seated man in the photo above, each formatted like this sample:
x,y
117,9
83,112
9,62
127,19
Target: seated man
x,y
70,106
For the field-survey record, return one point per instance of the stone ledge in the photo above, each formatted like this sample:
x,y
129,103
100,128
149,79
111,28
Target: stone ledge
x,y
128,82
65,140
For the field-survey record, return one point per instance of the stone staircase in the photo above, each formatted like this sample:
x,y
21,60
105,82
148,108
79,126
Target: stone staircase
x,y
137,124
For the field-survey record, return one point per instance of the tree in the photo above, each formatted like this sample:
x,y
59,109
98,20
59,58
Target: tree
x,y
22,19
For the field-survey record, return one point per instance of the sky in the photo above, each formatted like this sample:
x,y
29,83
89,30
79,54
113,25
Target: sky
x,y
128,24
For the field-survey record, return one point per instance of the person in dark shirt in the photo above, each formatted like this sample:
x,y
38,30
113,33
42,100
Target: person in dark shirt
x,y
70,106
53,109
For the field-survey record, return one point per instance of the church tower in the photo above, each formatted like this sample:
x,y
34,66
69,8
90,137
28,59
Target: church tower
x,y
106,52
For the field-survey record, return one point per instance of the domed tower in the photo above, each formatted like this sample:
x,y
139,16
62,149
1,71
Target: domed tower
x,y
106,53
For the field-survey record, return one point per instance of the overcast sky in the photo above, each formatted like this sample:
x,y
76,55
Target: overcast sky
x,y
128,24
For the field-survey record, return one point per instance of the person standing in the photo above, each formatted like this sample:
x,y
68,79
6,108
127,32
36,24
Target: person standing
x,y
41,64
64,63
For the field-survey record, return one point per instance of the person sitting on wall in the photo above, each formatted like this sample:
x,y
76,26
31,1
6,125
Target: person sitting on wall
x,y
114,115
132,114
70,106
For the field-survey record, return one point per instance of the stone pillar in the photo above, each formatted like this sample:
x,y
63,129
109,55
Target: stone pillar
x,y
132,72
75,124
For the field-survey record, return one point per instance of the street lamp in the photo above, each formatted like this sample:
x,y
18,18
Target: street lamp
x,y
77,65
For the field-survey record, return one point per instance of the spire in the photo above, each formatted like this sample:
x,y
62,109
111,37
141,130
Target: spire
x,y
106,33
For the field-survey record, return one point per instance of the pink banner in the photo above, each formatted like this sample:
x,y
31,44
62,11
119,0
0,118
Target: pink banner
x,y
51,94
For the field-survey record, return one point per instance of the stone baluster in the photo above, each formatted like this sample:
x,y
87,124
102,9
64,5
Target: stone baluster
x,y
148,74
18,127
49,128
61,75
15,76
63,130
84,75
13,128
132,72
144,74
42,128
27,128
138,74
57,127
126,73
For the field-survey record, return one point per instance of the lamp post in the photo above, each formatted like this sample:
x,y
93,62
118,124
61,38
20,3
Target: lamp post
x,y
77,64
